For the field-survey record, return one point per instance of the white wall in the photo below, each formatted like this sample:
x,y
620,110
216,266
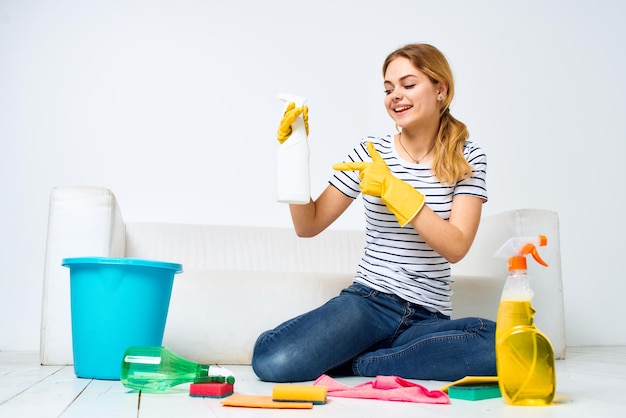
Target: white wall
x,y
172,104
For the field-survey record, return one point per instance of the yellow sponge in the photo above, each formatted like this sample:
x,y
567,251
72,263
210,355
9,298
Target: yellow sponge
x,y
299,393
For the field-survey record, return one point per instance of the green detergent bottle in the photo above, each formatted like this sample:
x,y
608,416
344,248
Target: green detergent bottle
x,y
157,369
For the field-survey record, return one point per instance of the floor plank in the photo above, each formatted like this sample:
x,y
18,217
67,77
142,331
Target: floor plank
x,y
103,399
39,391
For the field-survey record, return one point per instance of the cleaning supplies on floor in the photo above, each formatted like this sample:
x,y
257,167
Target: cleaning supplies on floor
x,y
157,369
211,390
293,152
299,393
262,401
387,388
284,396
524,355
473,388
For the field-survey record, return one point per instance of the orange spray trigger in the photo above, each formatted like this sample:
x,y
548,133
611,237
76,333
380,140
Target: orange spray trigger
x,y
532,250
516,249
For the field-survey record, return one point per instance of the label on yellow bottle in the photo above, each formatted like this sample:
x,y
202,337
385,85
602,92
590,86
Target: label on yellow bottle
x,y
513,313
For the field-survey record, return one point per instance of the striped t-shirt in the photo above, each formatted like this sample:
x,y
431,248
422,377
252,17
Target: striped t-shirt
x,y
397,260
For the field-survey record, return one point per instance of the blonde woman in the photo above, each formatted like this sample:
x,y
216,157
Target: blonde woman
x,y
423,189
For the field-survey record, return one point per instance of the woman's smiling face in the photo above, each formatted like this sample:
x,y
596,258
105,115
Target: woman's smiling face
x,y
410,96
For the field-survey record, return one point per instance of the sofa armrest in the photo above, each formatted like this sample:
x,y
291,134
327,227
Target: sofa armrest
x,y
82,222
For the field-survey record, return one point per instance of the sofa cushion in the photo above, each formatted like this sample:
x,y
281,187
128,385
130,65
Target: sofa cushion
x,y
215,316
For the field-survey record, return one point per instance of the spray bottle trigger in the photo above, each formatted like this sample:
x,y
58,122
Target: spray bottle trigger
x,y
532,250
537,258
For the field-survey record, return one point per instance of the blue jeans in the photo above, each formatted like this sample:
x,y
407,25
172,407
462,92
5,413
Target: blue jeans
x,y
372,333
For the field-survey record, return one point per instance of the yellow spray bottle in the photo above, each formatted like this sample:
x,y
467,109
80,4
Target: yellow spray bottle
x,y
524,355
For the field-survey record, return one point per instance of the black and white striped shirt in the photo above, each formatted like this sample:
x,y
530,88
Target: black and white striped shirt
x,y
397,260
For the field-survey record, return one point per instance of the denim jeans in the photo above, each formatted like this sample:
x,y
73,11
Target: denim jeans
x,y
373,333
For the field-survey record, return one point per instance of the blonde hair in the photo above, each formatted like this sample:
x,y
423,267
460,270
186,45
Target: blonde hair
x,y
449,164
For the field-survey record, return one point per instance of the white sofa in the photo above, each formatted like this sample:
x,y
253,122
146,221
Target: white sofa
x,y
239,281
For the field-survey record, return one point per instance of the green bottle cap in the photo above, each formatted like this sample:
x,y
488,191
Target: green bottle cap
x,y
203,376
210,379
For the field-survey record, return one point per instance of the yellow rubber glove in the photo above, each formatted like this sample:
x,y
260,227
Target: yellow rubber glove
x,y
291,113
402,199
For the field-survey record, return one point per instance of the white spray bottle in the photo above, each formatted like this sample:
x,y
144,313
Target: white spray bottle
x,y
293,160
524,355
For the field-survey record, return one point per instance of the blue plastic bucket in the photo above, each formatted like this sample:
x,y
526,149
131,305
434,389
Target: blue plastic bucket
x,y
116,303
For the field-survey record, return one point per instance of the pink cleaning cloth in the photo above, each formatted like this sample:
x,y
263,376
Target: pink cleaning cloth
x,y
386,388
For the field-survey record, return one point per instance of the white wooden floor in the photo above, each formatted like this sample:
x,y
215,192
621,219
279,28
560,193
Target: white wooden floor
x,y
591,382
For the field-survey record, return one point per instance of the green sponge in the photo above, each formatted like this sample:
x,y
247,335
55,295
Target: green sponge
x,y
474,392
